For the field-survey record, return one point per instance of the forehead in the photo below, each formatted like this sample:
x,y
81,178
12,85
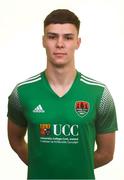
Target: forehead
x,y
61,29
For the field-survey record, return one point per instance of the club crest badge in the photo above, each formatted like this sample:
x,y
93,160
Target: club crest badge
x,y
82,108
44,129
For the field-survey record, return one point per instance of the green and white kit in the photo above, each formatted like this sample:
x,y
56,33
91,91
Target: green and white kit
x,y
62,130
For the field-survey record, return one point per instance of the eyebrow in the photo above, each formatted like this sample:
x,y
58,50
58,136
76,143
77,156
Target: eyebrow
x,y
56,34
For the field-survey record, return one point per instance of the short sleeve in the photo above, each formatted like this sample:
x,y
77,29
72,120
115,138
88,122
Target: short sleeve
x,y
106,114
15,110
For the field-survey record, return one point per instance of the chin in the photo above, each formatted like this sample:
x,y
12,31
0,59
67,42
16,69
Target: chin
x,y
59,63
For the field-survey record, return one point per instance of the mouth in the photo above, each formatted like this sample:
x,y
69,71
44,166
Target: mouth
x,y
59,54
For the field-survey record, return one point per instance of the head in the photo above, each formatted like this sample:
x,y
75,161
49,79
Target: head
x,y
61,29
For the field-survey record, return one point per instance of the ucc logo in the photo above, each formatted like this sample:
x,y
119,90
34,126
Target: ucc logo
x,y
66,130
59,129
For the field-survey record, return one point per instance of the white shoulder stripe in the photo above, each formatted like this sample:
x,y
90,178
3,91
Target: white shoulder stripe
x,y
93,83
34,77
28,82
88,79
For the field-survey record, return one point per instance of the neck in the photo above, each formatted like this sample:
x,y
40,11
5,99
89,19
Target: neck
x,y
60,76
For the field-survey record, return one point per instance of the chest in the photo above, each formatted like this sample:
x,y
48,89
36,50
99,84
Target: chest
x,y
75,109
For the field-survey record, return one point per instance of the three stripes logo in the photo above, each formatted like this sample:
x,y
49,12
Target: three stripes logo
x,y
38,109
82,108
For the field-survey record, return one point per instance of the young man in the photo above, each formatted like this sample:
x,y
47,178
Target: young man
x,y
64,111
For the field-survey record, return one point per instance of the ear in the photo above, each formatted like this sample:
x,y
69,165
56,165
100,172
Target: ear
x,y
78,43
43,41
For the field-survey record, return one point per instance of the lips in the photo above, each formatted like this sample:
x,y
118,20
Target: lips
x,y
59,54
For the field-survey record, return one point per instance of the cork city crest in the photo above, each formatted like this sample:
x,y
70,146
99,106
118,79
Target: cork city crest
x,y
82,108
44,129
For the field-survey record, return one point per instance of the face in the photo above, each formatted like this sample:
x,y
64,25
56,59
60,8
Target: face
x,y
60,42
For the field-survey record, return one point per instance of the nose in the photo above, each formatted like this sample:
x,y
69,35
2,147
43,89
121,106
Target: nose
x,y
60,43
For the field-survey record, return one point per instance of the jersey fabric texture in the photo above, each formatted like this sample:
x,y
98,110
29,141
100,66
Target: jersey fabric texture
x,y
62,130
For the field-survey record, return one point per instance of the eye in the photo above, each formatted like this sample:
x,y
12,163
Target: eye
x,y
51,37
68,37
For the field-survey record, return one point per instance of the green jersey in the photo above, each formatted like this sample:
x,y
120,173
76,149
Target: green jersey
x,y
62,130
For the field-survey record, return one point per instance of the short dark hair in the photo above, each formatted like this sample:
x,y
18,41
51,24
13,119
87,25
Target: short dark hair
x,y
62,16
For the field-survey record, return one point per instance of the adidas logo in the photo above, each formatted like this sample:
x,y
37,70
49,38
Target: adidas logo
x,y
38,109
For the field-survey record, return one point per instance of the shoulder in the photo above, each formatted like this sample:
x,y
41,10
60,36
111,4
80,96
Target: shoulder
x,y
28,85
91,82
91,86
30,81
